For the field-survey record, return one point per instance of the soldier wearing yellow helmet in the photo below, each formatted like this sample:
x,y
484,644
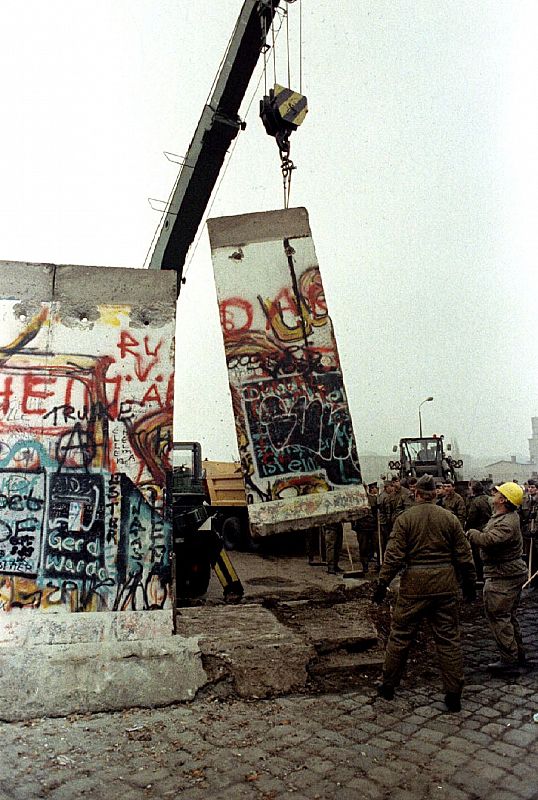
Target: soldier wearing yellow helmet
x,y
501,550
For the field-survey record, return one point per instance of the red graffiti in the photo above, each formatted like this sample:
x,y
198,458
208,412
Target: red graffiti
x,y
152,395
145,359
30,391
235,314
6,393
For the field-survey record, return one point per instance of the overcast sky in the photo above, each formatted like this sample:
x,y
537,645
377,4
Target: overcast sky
x,y
417,163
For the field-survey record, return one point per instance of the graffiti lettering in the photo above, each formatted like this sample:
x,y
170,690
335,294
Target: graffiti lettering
x,y
152,396
31,392
128,345
75,448
236,314
22,504
18,502
294,431
6,393
64,414
64,566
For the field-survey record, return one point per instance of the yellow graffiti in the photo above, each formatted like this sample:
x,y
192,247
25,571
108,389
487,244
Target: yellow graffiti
x,y
282,308
111,315
25,336
291,321
298,486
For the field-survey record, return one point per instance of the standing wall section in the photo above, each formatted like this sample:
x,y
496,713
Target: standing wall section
x,y
293,425
86,389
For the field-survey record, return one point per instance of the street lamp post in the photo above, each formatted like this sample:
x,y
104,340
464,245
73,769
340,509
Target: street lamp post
x,y
427,400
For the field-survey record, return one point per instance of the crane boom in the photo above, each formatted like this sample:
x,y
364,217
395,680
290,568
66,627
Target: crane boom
x,y
217,127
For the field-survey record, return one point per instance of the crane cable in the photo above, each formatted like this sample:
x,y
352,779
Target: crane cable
x,y
286,164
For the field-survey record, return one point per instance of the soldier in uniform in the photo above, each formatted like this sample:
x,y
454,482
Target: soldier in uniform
x,y
478,514
334,537
529,527
393,501
439,492
429,544
412,486
501,549
365,528
453,501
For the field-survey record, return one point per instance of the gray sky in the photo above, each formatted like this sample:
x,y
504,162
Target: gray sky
x,y
417,163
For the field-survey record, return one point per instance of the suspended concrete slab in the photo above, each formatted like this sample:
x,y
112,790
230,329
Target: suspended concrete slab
x,y
294,429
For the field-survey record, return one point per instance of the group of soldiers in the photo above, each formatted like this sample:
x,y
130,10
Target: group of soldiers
x,y
441,545
430,547
473,511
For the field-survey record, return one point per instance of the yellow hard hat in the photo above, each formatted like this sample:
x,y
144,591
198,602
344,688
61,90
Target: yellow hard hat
x,y
512,491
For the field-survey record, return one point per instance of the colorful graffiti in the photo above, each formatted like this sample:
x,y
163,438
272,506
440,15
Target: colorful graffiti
x,y
292,418
85,433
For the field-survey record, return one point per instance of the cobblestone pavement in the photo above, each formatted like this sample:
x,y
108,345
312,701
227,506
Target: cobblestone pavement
x,y
345,744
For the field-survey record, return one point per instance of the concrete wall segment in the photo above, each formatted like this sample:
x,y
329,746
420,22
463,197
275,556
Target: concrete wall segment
x,y
293,424
84,288
86,391
20,629
151,297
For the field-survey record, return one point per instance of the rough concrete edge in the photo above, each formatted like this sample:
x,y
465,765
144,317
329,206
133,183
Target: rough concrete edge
x,y
270,664
151,294
261,226
26,281
285,673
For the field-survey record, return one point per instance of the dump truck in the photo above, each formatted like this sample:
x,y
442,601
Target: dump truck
x,y
225,492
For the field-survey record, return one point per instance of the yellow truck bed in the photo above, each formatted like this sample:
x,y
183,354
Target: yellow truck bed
x,y
225,486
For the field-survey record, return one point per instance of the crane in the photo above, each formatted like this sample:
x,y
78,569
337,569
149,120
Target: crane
x,y
218,126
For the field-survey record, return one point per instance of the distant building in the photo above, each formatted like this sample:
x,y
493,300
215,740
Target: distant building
x,y
533,441
511,470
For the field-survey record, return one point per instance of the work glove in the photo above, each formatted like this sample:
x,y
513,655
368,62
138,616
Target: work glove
x,y
380,590
468,588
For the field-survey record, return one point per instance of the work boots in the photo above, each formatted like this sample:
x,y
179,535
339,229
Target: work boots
x,y
502,667
386,691
453,701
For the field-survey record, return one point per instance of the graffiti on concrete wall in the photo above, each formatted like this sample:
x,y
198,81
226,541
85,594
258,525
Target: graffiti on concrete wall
x,y
85,432
292,418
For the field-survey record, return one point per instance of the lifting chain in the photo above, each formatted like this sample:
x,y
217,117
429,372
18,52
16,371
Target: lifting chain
x,y
286,164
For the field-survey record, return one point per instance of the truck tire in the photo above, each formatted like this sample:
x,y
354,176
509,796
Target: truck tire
x,y
193,569
232,534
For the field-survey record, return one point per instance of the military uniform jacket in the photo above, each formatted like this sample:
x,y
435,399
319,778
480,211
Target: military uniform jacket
x,y
501,546
456,504
479,512
528,514
367,522
428,542
392,505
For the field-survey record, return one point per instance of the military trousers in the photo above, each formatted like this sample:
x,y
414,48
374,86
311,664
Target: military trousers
x,y
367,541
442,612
333,546
501,599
